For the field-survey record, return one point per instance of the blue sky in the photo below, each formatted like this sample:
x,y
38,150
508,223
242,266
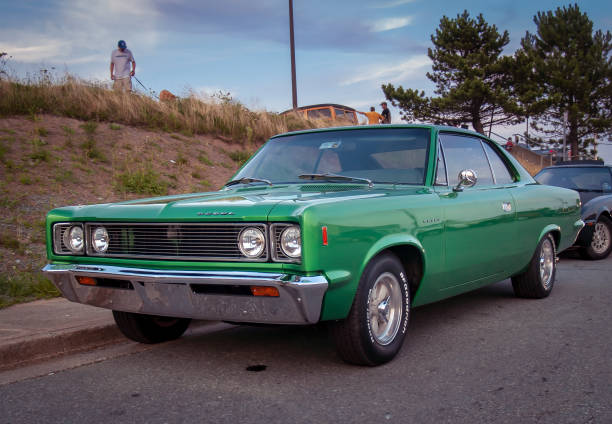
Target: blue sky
x,y
345,49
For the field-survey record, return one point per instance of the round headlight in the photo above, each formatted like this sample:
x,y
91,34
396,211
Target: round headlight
x,y
291,242
251,242
73,239
100,240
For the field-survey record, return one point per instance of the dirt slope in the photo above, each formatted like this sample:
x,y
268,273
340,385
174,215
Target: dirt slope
x,y
48,161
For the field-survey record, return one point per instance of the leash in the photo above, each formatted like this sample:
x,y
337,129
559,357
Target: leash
x,y
151,92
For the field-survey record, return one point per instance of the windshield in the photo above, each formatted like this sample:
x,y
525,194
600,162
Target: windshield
x,y
390,155
577,178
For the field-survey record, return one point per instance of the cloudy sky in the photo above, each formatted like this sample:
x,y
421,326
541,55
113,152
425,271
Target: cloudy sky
x,y
345,49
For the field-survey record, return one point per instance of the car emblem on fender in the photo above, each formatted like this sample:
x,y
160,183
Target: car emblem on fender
x,y
214,213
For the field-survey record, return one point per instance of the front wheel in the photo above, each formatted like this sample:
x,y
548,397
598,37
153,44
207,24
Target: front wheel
x,y
374,330
601,242
150,328
538,280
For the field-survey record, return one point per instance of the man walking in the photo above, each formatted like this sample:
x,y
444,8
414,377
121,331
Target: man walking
x,y
373,116
386,113
120,67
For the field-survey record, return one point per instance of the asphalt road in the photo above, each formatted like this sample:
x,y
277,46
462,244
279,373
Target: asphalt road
x,y
483,357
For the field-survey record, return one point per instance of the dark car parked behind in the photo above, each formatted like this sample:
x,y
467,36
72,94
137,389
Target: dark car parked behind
x,y
593,182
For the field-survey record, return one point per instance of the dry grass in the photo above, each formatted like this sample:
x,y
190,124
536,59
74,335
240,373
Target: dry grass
x,y
190,115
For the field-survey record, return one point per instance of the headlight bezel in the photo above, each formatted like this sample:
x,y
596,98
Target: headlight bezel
x,y
61,232
278,254
261,253
285,239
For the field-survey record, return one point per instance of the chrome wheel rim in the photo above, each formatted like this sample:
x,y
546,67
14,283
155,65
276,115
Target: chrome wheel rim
x,y
547,263
385,308
601,238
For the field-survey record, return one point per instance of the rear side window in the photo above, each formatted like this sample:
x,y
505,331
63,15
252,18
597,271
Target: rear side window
x,y
500,170
464,152
319,113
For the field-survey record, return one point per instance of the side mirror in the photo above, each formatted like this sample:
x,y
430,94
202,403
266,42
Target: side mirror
x,y
467,178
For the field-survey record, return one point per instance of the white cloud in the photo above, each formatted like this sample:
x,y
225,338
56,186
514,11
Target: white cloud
x,y
31,53
388,24
391,73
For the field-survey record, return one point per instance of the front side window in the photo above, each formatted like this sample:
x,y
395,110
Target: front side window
x,y
395,155
464,152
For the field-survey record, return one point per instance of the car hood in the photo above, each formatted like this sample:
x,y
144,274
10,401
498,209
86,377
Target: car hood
x,y
251,204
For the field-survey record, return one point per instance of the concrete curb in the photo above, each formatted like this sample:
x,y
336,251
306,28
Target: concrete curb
x,y
59,343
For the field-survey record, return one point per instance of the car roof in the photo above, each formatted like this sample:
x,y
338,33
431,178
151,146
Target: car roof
x,y
440,128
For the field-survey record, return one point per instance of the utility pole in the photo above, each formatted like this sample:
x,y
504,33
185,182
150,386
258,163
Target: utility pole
x,y
293,83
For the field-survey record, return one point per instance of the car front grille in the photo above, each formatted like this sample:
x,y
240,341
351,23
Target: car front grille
x,y
210,241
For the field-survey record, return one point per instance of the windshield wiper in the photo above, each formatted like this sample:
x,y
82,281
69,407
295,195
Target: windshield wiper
x,y
336,177
247,180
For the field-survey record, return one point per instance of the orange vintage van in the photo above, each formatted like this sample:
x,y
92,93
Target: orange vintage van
x,y
327,110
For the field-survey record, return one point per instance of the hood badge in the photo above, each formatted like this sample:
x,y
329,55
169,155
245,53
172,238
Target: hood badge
x,y
215,213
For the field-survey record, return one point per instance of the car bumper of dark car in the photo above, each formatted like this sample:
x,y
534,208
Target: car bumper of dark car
x,y
585,237
207,295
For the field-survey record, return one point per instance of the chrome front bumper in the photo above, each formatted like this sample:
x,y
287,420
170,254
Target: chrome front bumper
x,y
179,294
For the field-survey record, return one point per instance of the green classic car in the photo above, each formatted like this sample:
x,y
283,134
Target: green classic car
x,y
354,226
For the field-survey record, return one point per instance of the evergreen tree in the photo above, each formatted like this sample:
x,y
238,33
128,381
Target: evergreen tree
x,y
566,71
470,77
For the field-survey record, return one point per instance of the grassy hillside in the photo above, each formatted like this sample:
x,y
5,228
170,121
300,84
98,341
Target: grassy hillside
x,y
73,143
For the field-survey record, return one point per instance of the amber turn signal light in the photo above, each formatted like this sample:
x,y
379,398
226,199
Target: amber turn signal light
x,y
264,291
88,281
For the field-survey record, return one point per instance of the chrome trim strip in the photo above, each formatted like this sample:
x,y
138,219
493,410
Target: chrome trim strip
x,y
170,293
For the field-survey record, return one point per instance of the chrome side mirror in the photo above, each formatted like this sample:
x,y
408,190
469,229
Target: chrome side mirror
x,y
467,178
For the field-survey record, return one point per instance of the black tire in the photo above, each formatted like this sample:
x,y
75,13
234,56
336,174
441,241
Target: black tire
x,y
359,338
150,328
539,278
600,245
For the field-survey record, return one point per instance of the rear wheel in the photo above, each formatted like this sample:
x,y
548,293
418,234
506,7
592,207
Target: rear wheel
x,y
538,280
150,328
601,242
374,330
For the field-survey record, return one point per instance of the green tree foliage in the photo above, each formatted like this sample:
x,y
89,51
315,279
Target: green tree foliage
x,y
469,73
565,67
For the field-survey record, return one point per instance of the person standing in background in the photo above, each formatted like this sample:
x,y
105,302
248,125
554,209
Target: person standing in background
x,y
373,116
120,67
386,113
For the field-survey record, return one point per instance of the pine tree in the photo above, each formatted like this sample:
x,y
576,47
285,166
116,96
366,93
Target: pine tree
x,y
469,73
568,71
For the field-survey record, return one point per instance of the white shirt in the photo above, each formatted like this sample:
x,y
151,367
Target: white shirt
x,y
122,60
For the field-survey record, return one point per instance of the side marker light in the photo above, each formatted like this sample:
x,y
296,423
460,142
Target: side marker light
x,y
264,291
324,234
87,281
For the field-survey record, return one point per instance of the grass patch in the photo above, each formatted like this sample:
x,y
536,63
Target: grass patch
x,y
25,287
25,179
67,130
9,242
3,151
203,157
7,131
190,115
42,131
141,181
114,127
90,127
181,160
239,156
196,175
64,176
40,155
